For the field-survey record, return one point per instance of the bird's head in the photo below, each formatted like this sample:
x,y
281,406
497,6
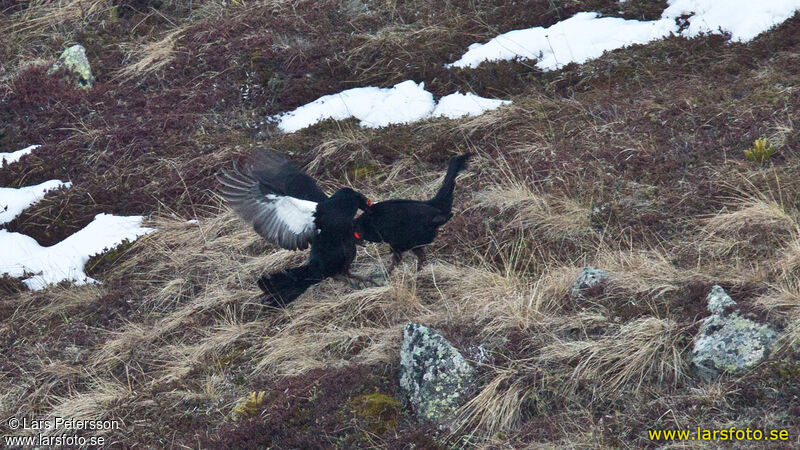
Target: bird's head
x,y
364,203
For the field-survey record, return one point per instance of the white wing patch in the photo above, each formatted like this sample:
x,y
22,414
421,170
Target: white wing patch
x,y
296,214
281,219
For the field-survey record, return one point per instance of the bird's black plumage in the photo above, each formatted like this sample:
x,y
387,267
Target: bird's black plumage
x,y
333,249
411,224
287,208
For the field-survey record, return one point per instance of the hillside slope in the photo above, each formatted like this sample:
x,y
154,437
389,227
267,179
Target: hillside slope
x,y
633,162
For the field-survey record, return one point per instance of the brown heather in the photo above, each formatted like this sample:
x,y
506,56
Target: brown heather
x,y
633,163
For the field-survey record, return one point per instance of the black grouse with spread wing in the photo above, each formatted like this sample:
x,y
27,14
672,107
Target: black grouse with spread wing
x,y
286,207
411,224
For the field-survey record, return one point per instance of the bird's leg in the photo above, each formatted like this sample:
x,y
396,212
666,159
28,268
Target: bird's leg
x,y
358,277
397,258
420,252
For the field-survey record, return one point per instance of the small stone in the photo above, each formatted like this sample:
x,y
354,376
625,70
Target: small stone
x,y
480,354
433,374
589,280
728,342
74,61
73,353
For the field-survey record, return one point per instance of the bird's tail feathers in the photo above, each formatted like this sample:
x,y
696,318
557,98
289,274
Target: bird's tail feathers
x,y
284,287
443,200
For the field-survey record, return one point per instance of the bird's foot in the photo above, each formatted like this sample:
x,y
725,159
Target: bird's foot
x,y
360,282
420,257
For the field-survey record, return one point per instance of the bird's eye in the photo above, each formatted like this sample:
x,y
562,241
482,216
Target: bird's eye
x,y
369,202
358,236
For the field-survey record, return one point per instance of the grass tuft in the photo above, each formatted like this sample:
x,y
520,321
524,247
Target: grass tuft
x,y
760,152
249,406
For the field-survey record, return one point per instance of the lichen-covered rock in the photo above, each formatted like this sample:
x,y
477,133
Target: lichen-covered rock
x,y
589,280
728,342
718,300
75,62
434,375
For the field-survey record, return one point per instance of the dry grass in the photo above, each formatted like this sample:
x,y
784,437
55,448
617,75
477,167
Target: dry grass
x,y
374,53
525,207
789,261
346,139
618,364
783,298
499,405
150,57
754,222
648,272
790,340
96,403
44,14
176,336
552,218
639,351
751,213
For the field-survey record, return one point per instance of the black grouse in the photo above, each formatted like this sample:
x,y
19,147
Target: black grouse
x,y
286,207
411,224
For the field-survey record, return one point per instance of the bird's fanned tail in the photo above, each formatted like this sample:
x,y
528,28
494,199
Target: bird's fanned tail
x,y
284,287
443,200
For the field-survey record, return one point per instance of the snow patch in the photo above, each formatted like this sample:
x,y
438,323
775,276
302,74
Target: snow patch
x,y
14,200
375,107
743,19
586,35
64,261
457,105
577,39
9,158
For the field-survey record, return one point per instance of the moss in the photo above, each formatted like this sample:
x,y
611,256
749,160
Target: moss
x,y
229,358
363,172
787,369
380,411
317,408
771,95
102,262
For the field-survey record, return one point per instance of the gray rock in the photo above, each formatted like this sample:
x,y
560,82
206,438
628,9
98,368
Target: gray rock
x,y
728,342
718,300
588,279
74,61
436,378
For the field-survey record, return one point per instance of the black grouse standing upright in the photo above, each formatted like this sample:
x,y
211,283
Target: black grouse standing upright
x,y
287,208
411,224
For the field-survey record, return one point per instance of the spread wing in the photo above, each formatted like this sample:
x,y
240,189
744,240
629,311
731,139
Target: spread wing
x,y
280,175
284,220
